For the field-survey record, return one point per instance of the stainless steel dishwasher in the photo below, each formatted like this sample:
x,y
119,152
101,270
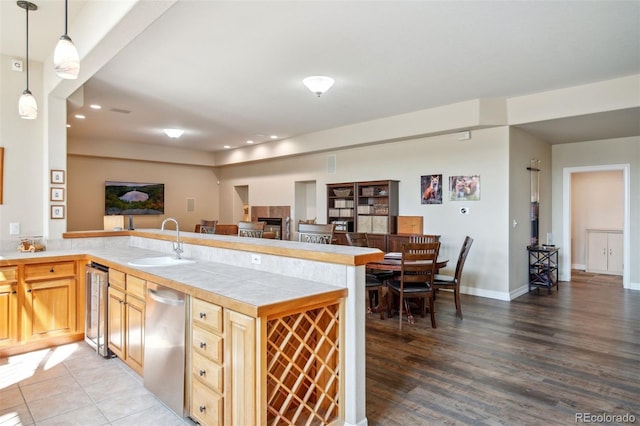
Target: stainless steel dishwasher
x,y
164,343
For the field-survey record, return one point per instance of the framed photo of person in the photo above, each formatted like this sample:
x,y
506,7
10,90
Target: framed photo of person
x,y
57,194
57,176
57,212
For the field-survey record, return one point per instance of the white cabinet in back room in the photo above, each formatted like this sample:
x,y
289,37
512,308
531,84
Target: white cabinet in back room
x,y
604,251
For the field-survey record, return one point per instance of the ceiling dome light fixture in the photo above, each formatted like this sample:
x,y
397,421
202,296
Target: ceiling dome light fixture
x,y
27,106
318,84
66,60
173,133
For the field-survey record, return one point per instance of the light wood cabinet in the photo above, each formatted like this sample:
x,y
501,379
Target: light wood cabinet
x,y
126,318
206,402
49,299
604,251
9,305
41,305
247,370
240,380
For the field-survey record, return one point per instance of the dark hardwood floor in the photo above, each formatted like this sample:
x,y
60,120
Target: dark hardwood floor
x,y
536,360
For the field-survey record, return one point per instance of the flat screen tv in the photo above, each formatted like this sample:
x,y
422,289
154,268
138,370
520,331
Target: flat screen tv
x,y
133,198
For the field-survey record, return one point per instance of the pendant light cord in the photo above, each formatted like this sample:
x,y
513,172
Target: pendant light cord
x,y
27,9
65,16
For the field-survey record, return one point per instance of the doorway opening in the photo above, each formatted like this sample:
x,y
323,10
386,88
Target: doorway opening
x,y
565,264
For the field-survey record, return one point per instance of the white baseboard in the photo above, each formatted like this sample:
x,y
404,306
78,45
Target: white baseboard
x,y
490,294
633,286
519,292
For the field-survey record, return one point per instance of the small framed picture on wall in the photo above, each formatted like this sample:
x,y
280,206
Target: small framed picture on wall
x,y
57,194
57,212
57,176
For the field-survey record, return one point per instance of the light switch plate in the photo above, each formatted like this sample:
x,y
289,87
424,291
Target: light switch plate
x,y
14,228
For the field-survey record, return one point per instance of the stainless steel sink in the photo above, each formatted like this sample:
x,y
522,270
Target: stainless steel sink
x,y
160,261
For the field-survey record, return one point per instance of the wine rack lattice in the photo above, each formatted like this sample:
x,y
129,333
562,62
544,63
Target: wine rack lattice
x,y
302,367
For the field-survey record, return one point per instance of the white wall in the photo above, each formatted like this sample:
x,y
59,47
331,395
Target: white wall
x,y
272,182
597,201
522,149
25,176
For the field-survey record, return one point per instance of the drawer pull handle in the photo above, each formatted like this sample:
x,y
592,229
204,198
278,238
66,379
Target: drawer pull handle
x,y
13,292
203,315
29,291
203,345
52,270
203,408
203,373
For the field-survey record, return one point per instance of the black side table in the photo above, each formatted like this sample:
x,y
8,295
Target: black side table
x,y
543,267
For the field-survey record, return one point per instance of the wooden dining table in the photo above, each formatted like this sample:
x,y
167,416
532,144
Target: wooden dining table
x,y
392,261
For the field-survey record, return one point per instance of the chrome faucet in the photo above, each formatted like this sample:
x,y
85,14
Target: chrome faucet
x,y
177,246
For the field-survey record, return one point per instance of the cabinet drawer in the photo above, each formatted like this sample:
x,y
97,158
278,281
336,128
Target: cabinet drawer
x,y
136,286
207,344
49,270
8,274
207,315
116,278
207,371
206,404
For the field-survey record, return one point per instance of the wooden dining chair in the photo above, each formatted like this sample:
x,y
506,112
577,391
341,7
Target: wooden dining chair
x,y
417,270
251,229
208,226
316,233
424,238
453,282
375,282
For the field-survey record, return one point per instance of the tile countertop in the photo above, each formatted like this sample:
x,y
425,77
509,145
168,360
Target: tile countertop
x,y
245,289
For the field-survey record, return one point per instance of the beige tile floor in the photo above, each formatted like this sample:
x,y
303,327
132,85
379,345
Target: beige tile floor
x,y
72,385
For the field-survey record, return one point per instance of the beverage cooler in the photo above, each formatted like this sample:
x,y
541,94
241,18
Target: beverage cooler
x,y
95,324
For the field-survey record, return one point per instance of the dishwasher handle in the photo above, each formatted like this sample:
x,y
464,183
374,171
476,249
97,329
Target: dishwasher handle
x,y
155,295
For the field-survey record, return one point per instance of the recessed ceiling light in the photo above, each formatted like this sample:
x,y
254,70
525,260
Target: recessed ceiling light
x,y
95,106
173,133
80,116
68,125
274,136
249,142
227,146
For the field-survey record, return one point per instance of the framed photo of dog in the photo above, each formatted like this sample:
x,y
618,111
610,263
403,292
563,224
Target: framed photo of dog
x,y
431,189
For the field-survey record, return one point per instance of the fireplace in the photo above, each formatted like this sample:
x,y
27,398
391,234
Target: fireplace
x,y
274,224
276,217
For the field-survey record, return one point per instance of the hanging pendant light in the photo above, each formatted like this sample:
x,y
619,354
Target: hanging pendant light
x,y
27,106
66,60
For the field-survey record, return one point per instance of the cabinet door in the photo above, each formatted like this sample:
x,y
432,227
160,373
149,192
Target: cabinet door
x,y
597,252
134,334
240,375
206,405
116,319
8,314
614,259
50,307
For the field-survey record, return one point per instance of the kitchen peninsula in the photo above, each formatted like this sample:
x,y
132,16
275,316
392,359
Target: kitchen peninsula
x,y
280,307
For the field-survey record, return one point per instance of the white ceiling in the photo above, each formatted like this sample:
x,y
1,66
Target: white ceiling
x,y
229,71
